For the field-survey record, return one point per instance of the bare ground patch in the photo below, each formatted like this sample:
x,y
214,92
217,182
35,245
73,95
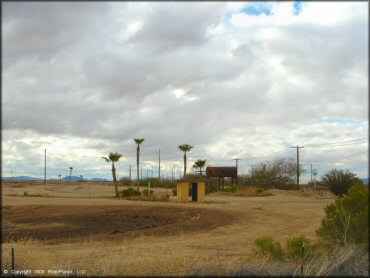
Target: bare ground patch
x,y
58,223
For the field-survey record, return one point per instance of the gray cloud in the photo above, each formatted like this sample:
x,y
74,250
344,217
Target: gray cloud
x,y
77,70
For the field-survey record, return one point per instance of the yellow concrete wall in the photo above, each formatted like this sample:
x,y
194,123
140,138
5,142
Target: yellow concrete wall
x,y
182,192
201,191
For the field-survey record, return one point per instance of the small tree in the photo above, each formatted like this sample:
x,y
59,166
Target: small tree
x,y
185,148
138,141
347,219
70,173
199,164
113,157
339,181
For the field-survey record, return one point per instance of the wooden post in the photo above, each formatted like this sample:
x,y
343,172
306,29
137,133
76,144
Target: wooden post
x,y
13,255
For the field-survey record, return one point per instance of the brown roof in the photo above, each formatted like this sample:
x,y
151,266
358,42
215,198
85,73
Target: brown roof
x,y
221,172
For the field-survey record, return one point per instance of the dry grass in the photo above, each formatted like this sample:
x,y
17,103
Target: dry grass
x,y
204,253
251,192
154,260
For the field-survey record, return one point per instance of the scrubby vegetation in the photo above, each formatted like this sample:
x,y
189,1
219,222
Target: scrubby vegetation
x,y
342,248
129,192
347,219
147,193
339,181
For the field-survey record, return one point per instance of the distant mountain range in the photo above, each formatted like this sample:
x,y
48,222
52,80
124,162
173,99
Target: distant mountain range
x,y
73,178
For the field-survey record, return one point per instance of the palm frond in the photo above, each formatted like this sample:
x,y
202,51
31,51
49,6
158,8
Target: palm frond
x,y
185,147
139,140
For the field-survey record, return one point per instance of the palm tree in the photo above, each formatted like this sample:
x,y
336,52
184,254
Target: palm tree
x,y
185,148
60,177
70,174
138,141
81,176
113,157
199,164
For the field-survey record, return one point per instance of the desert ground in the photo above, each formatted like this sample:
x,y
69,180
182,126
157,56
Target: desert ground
x,y
62,226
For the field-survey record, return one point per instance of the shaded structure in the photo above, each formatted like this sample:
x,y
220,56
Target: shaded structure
x,y
221,173
198,189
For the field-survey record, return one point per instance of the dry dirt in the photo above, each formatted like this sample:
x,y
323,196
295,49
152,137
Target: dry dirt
x,y
57,223
87,231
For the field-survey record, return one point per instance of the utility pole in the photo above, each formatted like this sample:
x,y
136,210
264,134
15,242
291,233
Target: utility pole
x,y
311,173
298,147
147,173
45,169
236,162
129,167
159,166
11,174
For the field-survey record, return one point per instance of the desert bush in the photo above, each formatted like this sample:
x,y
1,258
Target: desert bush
x,y
126,181
211,188
146,191
347,219
230,189
268,246
339,181
159,197
251,192
279,174
155,182
294,247
129,192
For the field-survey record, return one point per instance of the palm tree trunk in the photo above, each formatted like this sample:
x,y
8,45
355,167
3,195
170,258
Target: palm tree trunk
x,y
137,165
114,179
184,164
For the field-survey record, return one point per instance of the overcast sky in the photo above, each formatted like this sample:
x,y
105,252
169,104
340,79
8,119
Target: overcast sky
x,y
242,80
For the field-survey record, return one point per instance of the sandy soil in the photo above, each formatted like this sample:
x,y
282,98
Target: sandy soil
x,y
222,226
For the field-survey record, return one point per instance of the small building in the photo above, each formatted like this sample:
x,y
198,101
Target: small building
x,y
198,188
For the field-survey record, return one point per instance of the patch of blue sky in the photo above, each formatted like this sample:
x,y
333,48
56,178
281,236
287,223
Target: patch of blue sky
x,y
297,7
343,122
257,9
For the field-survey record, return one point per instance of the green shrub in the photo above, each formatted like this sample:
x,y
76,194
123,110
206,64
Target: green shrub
x,y
125,181
268,246
294,247
130,192
347,219
339,181
211,188
174,191
259,190
146,191
231,189
155,182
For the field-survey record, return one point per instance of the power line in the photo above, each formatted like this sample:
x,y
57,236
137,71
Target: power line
x,y
336,143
